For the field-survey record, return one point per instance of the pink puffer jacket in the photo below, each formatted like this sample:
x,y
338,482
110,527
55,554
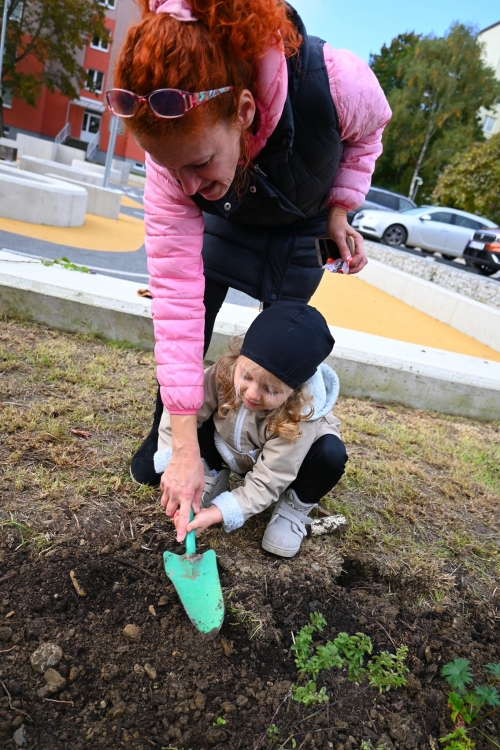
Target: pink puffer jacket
x,y
174,224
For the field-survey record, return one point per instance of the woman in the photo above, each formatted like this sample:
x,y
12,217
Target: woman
x,y
274,141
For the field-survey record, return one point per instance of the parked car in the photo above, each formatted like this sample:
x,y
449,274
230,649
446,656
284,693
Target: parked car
x,y
483,251
432,228
378,199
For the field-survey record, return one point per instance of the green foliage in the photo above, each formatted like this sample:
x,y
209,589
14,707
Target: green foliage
x,y
470,181
272,734
65,263
44,36
383,671
435,86
219,722
389,64
388,670
466,704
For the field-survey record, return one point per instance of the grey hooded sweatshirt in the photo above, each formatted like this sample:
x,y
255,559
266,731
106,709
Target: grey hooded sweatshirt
x,y
268,463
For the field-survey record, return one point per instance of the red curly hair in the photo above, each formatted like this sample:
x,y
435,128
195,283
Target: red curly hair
x,y
221,49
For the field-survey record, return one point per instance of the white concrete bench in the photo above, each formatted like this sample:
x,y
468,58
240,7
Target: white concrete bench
x,y
97,169
101,201
37,199
44,166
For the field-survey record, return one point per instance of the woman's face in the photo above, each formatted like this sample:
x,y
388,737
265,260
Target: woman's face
x,y
205,164
258,389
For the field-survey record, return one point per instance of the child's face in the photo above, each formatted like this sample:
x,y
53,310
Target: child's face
x,y
259,390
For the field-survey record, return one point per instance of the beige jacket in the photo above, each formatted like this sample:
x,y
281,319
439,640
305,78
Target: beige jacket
x,y
269,464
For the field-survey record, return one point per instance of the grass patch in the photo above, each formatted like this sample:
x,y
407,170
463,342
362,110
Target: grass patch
x,y
421,491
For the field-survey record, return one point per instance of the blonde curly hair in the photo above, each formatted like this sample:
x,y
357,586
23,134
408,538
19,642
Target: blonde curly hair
x,y
284,421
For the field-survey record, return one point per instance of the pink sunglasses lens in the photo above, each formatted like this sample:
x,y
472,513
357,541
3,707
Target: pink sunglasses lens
x,y
167,103
122,103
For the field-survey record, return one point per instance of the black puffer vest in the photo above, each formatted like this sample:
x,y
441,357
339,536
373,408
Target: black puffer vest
x,y
294,171
262,242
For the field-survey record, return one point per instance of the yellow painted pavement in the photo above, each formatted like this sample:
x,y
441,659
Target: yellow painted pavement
x,y
122,235
349,302
130,203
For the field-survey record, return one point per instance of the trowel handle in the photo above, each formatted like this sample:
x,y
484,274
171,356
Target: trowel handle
x,y
191,538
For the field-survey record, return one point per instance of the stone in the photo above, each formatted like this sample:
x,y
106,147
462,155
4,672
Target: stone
x,y
54,680
132,633
109,672
138,670
5,633
200,701
20,736
46,655
150,671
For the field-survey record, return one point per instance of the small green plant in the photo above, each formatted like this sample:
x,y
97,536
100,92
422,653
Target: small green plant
x,y
383,671
219,722
466,703
272,734
66,263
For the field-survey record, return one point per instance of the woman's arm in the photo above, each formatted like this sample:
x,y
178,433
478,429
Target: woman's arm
x,y
174,239
363,113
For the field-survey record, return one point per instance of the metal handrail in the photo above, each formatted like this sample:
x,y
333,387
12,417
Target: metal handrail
x,y
93,146
63,134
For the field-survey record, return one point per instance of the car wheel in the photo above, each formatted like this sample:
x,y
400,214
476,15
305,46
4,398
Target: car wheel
x,y
395,235
447,257
486,270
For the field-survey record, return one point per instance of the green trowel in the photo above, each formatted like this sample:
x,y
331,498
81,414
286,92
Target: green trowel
x,y
196,580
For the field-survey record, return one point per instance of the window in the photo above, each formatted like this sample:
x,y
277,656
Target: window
x,y
464,221
17,12
101,43
7,98
404,205
95,80
488,124
443,217
108,3
383,199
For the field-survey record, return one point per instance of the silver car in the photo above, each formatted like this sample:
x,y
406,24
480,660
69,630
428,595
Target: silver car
x,y
432,228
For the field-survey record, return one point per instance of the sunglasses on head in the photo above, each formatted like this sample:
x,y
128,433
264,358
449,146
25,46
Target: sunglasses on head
x,y
165,103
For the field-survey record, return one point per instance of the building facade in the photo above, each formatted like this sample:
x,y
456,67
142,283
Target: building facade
x,y
490,37
86,118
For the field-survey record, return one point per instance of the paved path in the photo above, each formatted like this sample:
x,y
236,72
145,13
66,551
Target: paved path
x,y
116,248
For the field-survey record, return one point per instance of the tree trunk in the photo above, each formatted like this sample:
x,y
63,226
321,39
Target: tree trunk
x,y
428,136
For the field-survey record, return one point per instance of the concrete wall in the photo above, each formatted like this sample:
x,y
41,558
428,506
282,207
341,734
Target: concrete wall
x,y
101,201
124,168
44,166
36,199
68,154
30,146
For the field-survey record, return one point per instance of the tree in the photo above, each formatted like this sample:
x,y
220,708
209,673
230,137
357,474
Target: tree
x,y
389,64
443,83
42,40
471,180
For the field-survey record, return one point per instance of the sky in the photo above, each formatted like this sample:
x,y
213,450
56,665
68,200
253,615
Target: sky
x,y
364,26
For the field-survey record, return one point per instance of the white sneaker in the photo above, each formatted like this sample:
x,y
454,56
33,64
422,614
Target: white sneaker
x,y
287,527
216,482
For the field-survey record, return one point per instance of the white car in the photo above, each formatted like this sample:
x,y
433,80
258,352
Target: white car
x,y
432,228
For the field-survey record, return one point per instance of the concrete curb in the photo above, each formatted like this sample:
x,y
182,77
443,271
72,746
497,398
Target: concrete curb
x,y
477,320
368,366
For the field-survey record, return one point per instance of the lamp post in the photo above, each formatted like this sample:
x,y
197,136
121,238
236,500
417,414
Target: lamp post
x,y
2,40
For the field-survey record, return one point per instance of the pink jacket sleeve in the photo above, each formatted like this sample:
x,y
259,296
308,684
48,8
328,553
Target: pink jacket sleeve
x,y
363,113
174,240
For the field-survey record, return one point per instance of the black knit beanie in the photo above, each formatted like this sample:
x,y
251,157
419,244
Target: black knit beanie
x,y
290,340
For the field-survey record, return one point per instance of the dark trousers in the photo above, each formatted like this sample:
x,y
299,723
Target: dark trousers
x,y
321,469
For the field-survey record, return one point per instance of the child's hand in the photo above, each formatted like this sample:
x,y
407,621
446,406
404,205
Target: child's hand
x,y
203,520
339,229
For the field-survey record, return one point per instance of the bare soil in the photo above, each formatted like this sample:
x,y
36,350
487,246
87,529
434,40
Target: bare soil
x,y
418,565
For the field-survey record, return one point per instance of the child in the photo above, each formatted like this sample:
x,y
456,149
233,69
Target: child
x,y
267,415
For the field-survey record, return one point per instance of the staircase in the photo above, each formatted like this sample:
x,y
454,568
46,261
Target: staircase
x,y
76,143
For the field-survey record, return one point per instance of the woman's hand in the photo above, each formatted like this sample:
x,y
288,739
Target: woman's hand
x,y
203,520
183,481
339,229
